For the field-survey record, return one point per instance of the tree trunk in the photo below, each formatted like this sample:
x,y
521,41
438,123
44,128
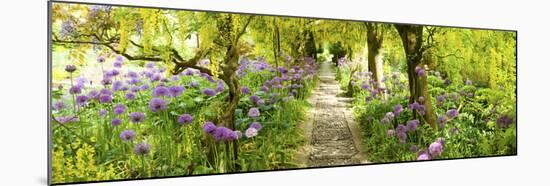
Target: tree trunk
x,y
229,77
411,36
375,38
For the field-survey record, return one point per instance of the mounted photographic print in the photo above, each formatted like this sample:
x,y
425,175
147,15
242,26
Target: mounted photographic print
x,y
144,92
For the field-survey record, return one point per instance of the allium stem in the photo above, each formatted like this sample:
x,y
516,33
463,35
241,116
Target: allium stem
x,y
74,97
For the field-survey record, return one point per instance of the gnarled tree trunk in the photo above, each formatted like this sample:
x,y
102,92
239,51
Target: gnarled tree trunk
x,y
411,36
375,38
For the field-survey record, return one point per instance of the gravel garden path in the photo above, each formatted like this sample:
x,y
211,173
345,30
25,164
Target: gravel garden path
x,y
332,135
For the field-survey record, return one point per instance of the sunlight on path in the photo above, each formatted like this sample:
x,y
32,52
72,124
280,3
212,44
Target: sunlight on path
x,y
334,136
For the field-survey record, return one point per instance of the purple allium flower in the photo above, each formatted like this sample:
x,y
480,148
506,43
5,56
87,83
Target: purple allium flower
x,y
435,149
365,86
100,59
135,89
402,137
160,91
209,127
401,128
442,120
75,89
452,113
59,105
245,90
504,121
188,72
105,98
254,98
70,68
116,122
412,124
119,109
117,64
185,119
256,125
93,94
420,71
414,106
144,87
102,112
130,96
220,87
157,104
136,117
468,82
142,148
251,132
413,148
175,91
81,81
219,133
390,133
260,102
127,135
150,64
254,112
397,109
440,99
423,156
209,92
81,100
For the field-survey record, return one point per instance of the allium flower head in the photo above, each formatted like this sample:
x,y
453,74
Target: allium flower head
x,y
185,119
220,87
176,91
402,136
105,98
251,132
130,96
157,104
468,82
401,128
452,113
209,127
119,109
209,92
117,64
127,135
70,68
423,156
420,71
412,125
102,112
245,90
136,117
160,91
254,112
435,149
82,100
116,122
100,59
142,148
59,105
421,99
390,115
397,109
254,98
256,125
76,89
